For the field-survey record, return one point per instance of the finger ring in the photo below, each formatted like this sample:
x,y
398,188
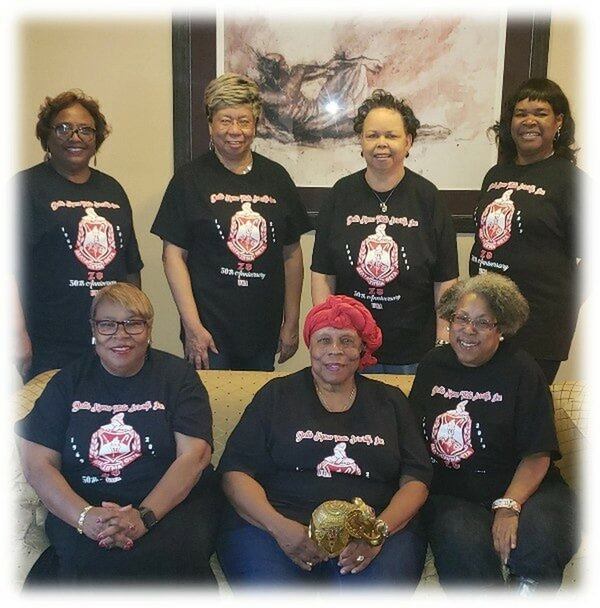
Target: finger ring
x,y
309,564
131,526
360,558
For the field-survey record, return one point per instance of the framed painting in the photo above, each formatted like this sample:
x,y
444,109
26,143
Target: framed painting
x,y
455,72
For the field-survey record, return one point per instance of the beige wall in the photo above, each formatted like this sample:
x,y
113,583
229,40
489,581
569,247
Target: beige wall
x,y
127,66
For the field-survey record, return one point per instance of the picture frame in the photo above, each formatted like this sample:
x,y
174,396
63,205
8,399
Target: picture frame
x,y
194,49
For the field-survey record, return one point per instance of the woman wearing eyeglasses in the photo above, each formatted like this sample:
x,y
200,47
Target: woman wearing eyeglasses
x,y
496,498
76,234
118,448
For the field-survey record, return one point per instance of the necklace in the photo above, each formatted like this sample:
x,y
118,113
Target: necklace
x,y
345,409
246,169
383,202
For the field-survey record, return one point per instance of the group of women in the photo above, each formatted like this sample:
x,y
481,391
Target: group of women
x,y
118,446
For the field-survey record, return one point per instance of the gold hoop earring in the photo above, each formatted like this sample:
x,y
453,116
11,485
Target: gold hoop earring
x,y
47,156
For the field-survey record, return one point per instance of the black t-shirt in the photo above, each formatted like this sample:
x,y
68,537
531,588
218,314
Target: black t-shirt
x,y
526,228
75,239
234,228
389,261
479,422
303,455
116,435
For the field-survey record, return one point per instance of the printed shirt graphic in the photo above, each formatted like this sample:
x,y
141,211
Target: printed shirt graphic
x,y
114,446
95,247
338,463
495,226
451,436
378,258
248,234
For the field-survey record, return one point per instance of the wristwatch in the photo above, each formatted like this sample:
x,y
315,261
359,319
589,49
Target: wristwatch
x,y
148,517
506,503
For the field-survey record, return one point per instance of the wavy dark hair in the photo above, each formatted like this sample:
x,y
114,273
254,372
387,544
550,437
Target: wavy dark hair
x,y
383,99
53,105
536,89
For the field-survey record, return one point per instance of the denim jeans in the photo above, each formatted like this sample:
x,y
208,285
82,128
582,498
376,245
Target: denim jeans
x,y
260,362
382,368
459,533
251,557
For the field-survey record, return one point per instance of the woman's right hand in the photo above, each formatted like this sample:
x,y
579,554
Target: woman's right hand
x,y
198,341
96,521
293,539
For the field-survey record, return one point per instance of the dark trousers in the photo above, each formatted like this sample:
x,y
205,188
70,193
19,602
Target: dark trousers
x,y
459,532
250,556
260,362
177,549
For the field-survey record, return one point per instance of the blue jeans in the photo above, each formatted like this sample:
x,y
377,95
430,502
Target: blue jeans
x,y
260,362
382,368
251,557
459,532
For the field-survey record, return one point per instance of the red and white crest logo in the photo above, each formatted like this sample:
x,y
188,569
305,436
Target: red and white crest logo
x,y
495,225
114,446
378,258
95,247
248,234
338,463
451,436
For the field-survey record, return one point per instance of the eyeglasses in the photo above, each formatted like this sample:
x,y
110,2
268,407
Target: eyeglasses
x,y
461,321
133,327
65,131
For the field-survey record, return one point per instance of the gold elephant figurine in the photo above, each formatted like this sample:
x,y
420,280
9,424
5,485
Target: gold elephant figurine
x,y
335,522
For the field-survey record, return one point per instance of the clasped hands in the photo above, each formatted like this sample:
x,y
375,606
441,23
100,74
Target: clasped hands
x,y
293,540
114,526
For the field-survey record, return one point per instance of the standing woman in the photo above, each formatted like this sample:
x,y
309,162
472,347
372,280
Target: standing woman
x,y
76,235
526,219
231,222
385,238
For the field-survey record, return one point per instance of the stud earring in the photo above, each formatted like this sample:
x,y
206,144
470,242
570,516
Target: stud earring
x,y
501,338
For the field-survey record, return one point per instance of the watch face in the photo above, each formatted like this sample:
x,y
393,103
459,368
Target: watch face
x,y
148,517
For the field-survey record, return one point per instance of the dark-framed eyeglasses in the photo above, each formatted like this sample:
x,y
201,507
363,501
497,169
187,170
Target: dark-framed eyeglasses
x,y
460,320
108,327
65,131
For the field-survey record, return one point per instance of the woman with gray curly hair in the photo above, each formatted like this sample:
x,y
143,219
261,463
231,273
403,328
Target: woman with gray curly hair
x,y
231,223
496,499
386,238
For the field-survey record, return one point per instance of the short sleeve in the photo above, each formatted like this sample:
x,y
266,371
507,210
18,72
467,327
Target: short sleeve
x,y
133,259
246,450
171,223
46,424
414,458
297,222
193,416
534,416
446,266
322,258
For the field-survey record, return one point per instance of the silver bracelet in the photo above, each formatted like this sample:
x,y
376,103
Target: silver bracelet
x,y
506,503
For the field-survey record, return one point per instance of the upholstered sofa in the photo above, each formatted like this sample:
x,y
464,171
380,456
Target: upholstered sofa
x,y
230,392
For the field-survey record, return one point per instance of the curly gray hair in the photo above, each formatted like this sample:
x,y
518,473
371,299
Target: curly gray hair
x,y
503,297
231,90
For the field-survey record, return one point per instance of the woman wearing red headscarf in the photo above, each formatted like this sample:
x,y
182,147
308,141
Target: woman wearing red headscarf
x,y
324,433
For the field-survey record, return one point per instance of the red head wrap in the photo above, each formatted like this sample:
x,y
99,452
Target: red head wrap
x,y
341,312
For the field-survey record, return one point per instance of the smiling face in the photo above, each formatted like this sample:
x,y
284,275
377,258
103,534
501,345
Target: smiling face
x,y
121,354
384,141
533,127
232,130
473,347
71,156
335,356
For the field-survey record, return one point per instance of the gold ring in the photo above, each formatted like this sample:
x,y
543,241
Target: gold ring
x,y
360,558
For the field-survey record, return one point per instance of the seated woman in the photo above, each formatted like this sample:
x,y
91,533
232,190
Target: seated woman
x,y
118,448
488,421
323,433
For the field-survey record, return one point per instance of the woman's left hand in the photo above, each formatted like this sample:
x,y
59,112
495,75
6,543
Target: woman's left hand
x,y
504,532
357,556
